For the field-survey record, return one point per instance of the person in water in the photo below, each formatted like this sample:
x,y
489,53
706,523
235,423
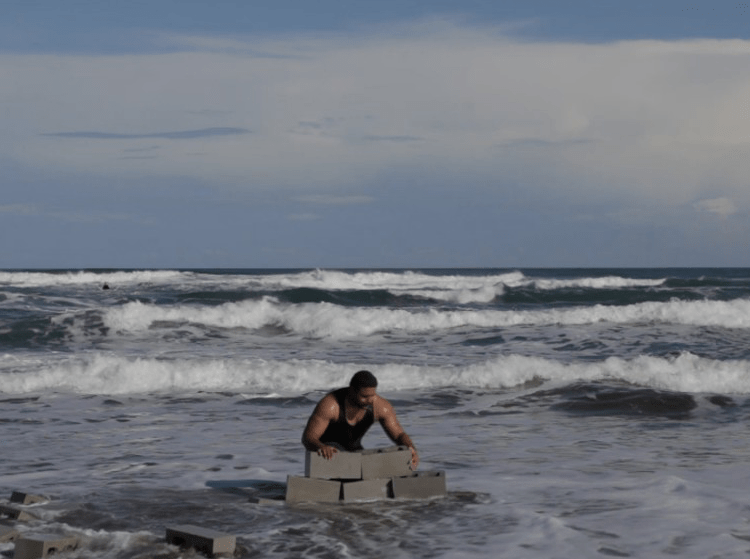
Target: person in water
x,y
342,418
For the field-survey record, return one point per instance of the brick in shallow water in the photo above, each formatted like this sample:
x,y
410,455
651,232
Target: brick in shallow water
x,y
14,513
300,489
388,462
43,545
204,540
275,501
27,498
343,465
420,485
366,490
8,534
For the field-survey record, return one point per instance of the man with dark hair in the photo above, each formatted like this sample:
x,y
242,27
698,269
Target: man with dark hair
x,y
342,418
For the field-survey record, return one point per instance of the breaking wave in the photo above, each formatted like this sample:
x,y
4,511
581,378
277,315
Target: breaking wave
x,y
328,320
101,373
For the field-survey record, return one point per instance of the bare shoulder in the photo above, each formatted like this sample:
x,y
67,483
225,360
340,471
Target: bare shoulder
x,y
328,407
382,408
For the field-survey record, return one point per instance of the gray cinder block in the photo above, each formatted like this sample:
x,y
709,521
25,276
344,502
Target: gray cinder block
x,y
419,485
37,546
8,534
27,498
300,489
204,540
15,514
366,490
386,462
343,465
267,500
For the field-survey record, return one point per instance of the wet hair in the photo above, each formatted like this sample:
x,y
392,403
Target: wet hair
x,y
363,379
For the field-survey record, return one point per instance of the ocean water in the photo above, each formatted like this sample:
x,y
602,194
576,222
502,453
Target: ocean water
x,y
576,413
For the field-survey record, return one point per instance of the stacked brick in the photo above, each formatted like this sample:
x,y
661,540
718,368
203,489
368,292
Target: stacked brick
x,y
367,475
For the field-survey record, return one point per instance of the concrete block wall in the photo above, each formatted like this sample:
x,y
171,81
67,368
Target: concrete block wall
x,y
376,474
366,464
206,541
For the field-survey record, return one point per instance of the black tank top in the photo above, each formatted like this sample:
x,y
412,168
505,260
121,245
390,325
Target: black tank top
x,y
339,431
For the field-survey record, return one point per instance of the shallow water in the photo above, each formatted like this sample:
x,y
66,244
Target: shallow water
x,y
606,418
536,473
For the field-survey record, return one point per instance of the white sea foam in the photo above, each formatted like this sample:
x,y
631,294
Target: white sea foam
x,y
104,543
459,288
325,320
462,289
46,279
99,373
606,282
456,289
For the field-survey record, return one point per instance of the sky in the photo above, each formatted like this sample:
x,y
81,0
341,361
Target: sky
x,y
362,134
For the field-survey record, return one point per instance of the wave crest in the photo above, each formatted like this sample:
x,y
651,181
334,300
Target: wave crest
x,y
327,320
100,373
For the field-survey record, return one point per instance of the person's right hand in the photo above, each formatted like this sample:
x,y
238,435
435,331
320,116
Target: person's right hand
x,y
327,452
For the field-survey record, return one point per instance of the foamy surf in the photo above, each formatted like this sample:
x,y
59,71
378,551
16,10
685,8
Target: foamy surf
x,y
333,321
103,374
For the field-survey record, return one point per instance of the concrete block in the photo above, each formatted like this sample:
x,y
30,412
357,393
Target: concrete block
x,y
300,489
27,498
419,485
8,534
274,501
204,540
343,465
13,513
366,490
389,462
38,546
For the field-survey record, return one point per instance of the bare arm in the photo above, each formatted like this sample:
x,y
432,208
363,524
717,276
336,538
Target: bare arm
x,y
326,411
385,414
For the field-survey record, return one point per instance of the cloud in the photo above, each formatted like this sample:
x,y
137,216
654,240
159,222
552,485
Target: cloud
x,y
402,138
333,200
178,135
229,45
141,149
346,130
33,210
19,209
303,217
541,143
723,207
435,103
